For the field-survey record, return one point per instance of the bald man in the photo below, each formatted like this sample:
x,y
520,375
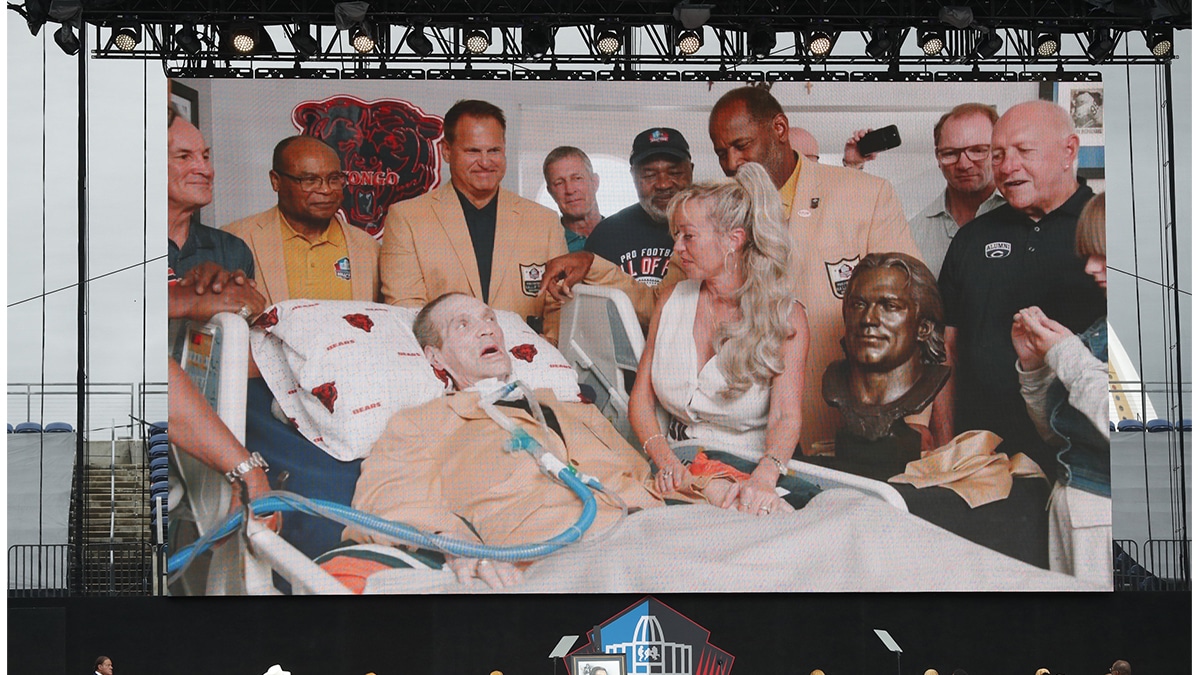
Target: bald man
x,y
804,143
302,249
1017,255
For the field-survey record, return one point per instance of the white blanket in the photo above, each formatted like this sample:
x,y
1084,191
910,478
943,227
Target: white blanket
x,y
841,541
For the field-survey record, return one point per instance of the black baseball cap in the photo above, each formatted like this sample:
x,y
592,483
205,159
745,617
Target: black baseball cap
x,y
659,141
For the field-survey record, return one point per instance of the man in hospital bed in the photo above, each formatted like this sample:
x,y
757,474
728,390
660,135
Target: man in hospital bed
x,y
441,467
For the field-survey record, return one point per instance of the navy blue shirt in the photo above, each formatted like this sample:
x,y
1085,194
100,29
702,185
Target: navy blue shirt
x,y
635,242
205,244
998,264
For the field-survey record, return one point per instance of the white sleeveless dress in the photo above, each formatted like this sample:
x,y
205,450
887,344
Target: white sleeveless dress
x,y
694,398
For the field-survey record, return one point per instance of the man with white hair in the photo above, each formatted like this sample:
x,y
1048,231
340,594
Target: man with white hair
x,y
1017,255
443,467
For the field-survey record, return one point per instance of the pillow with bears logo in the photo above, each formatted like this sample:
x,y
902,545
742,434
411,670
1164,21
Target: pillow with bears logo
x,y
340,369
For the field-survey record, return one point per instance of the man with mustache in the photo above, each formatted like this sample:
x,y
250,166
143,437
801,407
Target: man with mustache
x,y
637,238
1015,256
302,249
472,236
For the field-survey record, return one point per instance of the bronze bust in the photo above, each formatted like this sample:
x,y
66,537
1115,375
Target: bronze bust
x,y
894,346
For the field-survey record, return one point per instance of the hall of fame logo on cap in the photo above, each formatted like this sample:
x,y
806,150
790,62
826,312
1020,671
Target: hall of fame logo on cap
x,y
659,136
531,278
997,249
342,269
839,275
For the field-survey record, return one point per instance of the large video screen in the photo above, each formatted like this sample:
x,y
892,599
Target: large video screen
x,y
933,397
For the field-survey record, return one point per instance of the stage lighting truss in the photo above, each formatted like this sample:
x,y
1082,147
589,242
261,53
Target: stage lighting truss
x,y
398,42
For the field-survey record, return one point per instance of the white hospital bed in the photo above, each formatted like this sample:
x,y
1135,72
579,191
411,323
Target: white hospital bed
x,y
600,336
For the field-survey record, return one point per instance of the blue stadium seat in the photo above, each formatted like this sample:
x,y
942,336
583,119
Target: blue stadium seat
x,y
1158,425
158,451
158,463
159,474
1130,425
28,428
1111,426
158,428
1185,424
159,439
10,428
59,428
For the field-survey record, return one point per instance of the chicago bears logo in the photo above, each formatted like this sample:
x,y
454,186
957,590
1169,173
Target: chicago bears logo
x,y
524,352
327,394
997,249
267,319
388,149
360,321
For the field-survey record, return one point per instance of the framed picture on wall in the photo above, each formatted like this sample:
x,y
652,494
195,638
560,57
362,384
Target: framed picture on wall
x,y
598,664
1084,102
187,101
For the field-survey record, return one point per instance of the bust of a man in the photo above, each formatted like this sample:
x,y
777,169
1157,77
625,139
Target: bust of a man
x,y
894,348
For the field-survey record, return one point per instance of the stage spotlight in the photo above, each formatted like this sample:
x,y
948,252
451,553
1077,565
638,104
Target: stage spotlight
x,y
127,37
187,39
419,42
689,42
65,37
959,17
361,38
881,44
1042,671
931,42
304,43
243,39
989,43
1101,44
820,43
477,41
608,42
692,15
536,39
761,41
1159,42
1046,44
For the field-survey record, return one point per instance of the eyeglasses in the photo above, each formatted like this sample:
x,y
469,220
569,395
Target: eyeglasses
x,y
335,181
975,153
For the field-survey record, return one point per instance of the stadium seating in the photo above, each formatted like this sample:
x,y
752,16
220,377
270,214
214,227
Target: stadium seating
x,y
1130,425
59,428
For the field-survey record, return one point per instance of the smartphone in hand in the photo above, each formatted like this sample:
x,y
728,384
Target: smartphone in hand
x,y
879,140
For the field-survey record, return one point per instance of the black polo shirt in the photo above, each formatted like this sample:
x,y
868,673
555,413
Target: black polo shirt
x,y
997,264
205,244
481,224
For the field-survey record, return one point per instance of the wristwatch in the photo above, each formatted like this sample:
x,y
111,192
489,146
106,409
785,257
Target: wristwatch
x,y
256,461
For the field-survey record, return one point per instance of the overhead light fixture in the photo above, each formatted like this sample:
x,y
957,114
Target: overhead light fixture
x,y
820,43
688,42
362,39
989,43
477,41
692,15
243,39
931,42
956,16
608,42
126,37
1101,44
536,39
66,40
761,41
418,41
35,12
1047,43
304,43
881,44
1159,42
187,39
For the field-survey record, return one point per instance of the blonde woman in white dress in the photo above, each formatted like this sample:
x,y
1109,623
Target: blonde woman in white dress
x,y
726,350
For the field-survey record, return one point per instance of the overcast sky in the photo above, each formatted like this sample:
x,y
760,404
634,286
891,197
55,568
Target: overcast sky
x,y
126,99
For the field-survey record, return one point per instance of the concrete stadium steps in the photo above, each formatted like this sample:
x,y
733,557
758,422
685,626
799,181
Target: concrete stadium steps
x,y
130,504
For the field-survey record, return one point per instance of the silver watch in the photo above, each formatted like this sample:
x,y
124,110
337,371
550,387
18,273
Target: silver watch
x,y
256,461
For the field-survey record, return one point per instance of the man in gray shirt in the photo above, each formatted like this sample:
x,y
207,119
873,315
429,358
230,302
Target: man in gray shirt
x,y
962,142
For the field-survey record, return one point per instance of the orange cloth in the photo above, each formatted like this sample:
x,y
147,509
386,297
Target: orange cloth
x,y
970,465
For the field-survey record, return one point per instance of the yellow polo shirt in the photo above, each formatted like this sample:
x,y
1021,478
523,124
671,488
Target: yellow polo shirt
x,y
787,193
318,269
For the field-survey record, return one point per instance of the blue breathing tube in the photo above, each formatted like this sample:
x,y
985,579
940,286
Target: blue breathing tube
x,y
289,502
